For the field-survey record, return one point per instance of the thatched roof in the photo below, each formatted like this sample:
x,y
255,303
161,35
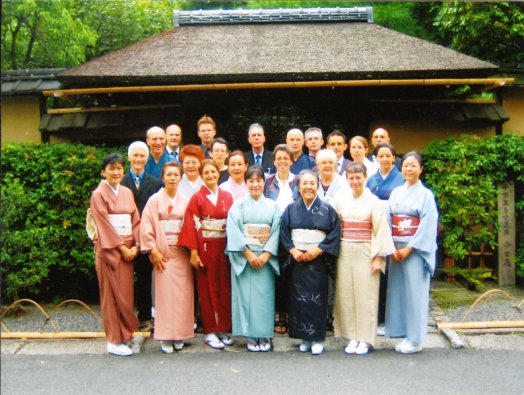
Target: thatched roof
x,y
276,52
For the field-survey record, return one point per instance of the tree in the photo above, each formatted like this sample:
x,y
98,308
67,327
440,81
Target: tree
x,y
44,34
492,31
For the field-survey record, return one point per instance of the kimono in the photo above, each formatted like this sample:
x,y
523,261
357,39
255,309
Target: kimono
x,y
365,234
204,229
408,281
236,190
303,162
115,276
253,290
174,301
383,186
339,187
371,167
155,168
187,188
308,281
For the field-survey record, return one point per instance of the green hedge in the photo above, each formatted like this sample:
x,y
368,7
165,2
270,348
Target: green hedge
x,y
45,193
464,173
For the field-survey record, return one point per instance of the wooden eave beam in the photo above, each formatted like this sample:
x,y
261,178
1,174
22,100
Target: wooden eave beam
x,y
279,85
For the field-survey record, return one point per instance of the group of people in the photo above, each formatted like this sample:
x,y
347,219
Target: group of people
x,y
263,241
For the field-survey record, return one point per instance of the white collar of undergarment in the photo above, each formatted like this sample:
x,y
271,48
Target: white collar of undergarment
x,y
115,190
385,175
213,197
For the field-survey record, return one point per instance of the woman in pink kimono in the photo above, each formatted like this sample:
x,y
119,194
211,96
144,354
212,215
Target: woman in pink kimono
x,y
114,212
173,276
235,184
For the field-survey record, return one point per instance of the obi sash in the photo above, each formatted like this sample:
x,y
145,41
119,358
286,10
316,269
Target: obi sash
x,y
171,228
214,228
404,225
257,234
356,230
122,224
305,239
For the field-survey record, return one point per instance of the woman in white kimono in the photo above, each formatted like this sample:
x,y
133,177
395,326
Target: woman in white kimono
x,y
358,149
253,226
191,157
413,216
365,242
331,184
173,276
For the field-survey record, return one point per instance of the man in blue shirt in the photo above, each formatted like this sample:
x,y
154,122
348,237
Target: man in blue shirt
x,y
156,140
295,141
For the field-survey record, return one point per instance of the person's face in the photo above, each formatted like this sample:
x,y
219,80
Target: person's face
x,y
295,141
113,173
308,188
171,178
237,168
411,170
206,132
191,165
174,137
255,186
357,182
314,142
257,139
156,142
337,145
379,136
385,158
219,153
210,176
137,159
357,150
282,161
326,167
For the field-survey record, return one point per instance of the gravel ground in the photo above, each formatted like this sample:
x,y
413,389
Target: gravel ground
x,y
490,311
69,318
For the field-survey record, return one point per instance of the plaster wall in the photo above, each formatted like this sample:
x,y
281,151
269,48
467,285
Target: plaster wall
x,y
20,119
411,135
514,105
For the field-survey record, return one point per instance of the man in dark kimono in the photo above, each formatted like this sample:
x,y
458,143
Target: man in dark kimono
x,y
143,185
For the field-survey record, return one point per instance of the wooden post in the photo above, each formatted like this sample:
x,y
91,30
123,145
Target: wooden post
x,y
507,234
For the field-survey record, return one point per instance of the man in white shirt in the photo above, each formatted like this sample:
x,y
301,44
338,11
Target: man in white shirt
x,y
336,142
314,140
258,155
174,141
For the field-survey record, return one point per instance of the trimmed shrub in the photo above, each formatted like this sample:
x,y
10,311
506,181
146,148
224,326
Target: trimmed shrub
x,y
45,193
464,174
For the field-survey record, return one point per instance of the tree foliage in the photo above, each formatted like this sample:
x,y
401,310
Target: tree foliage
x,y
488,30
464,174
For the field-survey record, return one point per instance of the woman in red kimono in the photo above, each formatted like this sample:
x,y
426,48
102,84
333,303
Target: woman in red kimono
x,y
204,233
117,222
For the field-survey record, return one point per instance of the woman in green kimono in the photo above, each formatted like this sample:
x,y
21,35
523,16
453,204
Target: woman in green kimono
x,y
253,226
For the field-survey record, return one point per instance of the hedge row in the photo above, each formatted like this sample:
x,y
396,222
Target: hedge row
x,y
46,190
45,193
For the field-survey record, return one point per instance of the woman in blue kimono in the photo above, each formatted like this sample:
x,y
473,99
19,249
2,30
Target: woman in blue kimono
x,y
413,216
310,233
381,184
253,226
388,177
